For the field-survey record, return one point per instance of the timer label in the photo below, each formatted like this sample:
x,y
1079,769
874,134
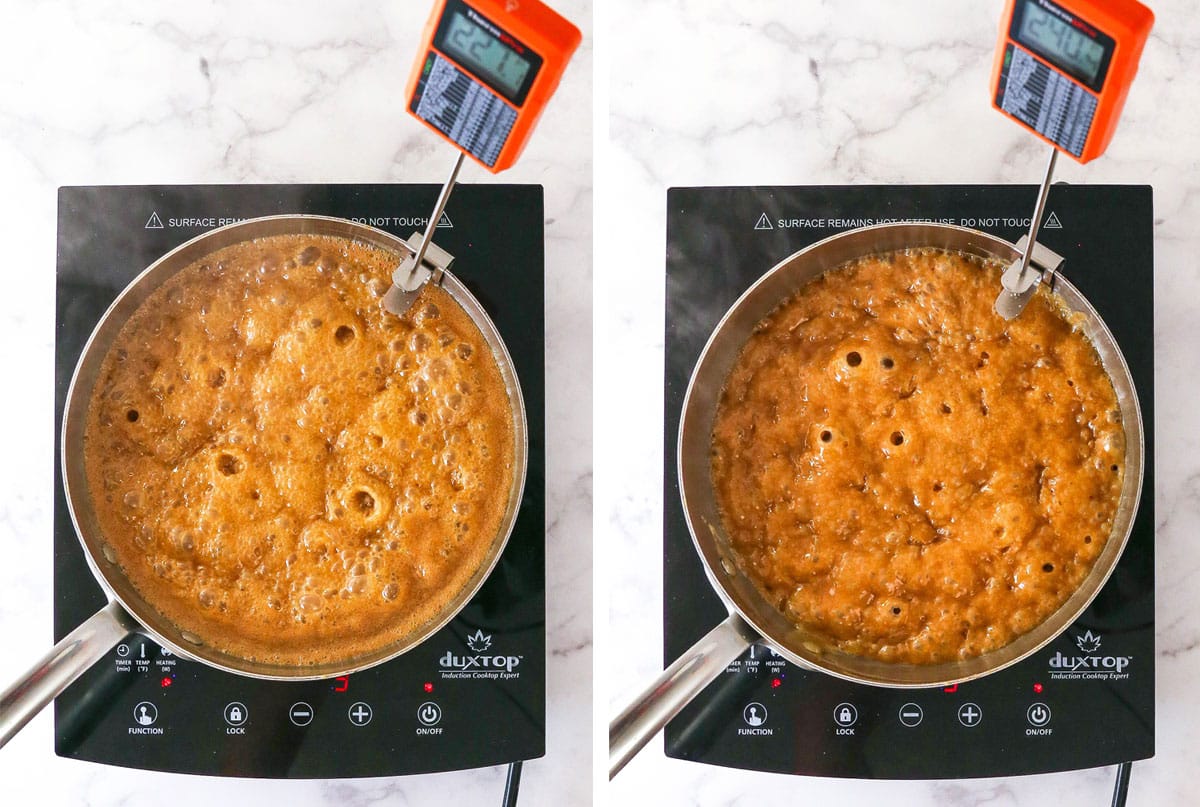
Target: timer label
x,y
464,110
1045,101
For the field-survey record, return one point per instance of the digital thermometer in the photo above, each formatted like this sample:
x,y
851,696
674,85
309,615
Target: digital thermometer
x,y
1062,70
484,72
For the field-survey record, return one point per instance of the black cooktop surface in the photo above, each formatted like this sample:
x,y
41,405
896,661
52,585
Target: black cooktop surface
x,y
1087,698
444,705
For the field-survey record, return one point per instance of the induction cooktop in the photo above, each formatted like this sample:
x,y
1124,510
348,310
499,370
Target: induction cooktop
x,y
1084,700
443,705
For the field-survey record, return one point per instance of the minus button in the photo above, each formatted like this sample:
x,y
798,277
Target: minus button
x,y
911,715
301,714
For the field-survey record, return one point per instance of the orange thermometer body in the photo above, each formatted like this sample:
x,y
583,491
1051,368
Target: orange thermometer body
x,y
485,71
1063,68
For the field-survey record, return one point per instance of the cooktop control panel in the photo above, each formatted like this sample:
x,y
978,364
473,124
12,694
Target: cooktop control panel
x,y
766,714
1084,700
471,695
156,710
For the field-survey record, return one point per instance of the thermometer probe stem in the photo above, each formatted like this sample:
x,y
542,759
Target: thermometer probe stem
x,y
438,208
1020,280
1036,222
408,279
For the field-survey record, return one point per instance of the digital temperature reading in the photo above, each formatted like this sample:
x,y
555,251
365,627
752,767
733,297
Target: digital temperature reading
x,y
485,72
475,47
1063,68
1056,39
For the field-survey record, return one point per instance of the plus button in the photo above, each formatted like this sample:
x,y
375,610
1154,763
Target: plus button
x,y
360,714
969,714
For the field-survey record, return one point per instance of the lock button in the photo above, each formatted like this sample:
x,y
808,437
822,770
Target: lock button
x,y
236,713
845,715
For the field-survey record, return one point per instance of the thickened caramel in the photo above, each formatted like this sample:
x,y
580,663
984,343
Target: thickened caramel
x,y
289,472
906,475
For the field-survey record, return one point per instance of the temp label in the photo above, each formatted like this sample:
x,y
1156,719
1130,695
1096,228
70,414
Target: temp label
x,y
464,110
1046,101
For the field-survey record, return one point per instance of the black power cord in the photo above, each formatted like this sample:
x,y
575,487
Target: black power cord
x,y
513,784
1121,786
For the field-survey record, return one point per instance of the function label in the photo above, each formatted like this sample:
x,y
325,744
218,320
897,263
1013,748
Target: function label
x,y
1045,100
464,110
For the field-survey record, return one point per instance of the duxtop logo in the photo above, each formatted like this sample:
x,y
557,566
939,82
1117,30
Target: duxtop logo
x,y
1091,666
478,642
1088,642
481,664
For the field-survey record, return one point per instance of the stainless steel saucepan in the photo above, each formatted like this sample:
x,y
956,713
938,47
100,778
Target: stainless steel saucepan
x,y
751,617
128,611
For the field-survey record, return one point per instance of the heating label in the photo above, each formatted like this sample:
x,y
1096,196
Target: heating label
x,y
464,110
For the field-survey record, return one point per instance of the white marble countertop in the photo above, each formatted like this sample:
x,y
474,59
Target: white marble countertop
x,y
238,91
784,92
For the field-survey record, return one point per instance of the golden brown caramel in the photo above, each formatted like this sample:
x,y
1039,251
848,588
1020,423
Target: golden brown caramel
x,y
289,472
906,475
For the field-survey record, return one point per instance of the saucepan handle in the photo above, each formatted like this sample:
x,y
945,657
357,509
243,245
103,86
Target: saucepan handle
x,y
675,688
70,658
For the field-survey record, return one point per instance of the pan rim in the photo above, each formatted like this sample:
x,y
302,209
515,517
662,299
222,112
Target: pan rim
x,y
812,659
338,227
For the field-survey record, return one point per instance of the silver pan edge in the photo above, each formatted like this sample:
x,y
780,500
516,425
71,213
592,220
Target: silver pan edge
x,y
102,563
694,446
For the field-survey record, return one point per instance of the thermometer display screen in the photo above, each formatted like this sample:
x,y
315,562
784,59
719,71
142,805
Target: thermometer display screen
x,y
1056,39
477,48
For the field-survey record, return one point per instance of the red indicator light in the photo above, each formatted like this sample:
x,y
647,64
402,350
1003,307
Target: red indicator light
x,y
1038,688
342,683
166,682
776,683
428,687
951,688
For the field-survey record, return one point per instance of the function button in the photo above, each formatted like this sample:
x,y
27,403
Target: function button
x,y
429,713
301,714
911,715
122,650
970,715
360,714
755,714
145,713
845,715
1038,715
236,713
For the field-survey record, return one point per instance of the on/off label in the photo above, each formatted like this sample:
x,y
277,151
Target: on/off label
x,y
1046,101
464,110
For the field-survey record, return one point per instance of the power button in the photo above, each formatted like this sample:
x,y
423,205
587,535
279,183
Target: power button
x,y
1038,715
429,713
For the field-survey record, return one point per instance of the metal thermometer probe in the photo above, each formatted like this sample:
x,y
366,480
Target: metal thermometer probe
x,y
1062,70
485,70
411,274
1020,280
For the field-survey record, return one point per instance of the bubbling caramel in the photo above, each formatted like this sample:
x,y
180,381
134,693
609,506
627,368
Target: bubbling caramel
x,y
289,472
907,476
